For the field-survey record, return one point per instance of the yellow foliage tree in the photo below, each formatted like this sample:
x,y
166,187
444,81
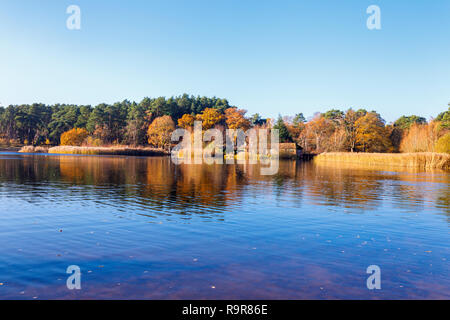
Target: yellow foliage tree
x,y
159,132
443,144
74,137
186,121
92,142
209,117
235,119
371,134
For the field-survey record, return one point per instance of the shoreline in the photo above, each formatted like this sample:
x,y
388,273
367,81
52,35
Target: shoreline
x,y
420,160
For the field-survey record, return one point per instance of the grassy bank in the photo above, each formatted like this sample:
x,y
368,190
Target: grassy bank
x,y
115,150
31,149
426,160
6,148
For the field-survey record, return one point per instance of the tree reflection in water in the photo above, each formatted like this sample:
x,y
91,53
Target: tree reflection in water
x,y
158,186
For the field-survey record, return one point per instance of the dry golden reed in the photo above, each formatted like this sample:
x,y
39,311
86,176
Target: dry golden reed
x,y
32,149
116,150
426,160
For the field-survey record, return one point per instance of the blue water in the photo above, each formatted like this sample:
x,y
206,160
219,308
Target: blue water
x,y
143,228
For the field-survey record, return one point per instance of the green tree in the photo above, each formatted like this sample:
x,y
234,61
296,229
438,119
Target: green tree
x,y
64,118
298,120
8,126
405,122
256,120
335,115
285,136
136,128
444,118
83,116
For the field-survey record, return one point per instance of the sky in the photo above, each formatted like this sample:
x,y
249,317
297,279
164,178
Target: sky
x,y
268,57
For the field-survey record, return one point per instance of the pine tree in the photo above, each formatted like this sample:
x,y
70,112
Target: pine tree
x,y
285,136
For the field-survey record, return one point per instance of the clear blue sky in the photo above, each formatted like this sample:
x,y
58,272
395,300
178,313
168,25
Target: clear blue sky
x,y
264,56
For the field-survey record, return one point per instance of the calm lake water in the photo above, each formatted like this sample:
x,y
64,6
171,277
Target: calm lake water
x,y
143,228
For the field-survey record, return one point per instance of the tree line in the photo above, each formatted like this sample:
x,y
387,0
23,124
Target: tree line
x,y
366,131
152,120
119,123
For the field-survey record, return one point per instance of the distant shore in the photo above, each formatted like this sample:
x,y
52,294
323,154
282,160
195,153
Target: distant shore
x,y
427,160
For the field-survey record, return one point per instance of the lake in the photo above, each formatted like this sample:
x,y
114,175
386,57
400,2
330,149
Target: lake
x,y
144,228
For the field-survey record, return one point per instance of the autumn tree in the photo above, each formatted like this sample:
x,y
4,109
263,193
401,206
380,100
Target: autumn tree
x,y
350,118
371,134
295,127
74,137
337,140
235,119
209,118
160,130
316,133
336,135
186,121
443,144
420,138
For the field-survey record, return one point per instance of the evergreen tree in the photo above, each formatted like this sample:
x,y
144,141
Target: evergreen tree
x,y
285,136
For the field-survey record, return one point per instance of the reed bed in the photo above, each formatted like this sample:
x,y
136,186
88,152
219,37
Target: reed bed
x,y
426,160
113,151
32,149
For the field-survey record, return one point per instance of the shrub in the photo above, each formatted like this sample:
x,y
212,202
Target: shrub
x,y
92,142
443,144
74,137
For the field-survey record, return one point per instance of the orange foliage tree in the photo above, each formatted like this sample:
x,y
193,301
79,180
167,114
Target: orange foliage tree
x,y
420,138
371,134
209,118
160,130
74,137
235,119
186,121
350,118
316,132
